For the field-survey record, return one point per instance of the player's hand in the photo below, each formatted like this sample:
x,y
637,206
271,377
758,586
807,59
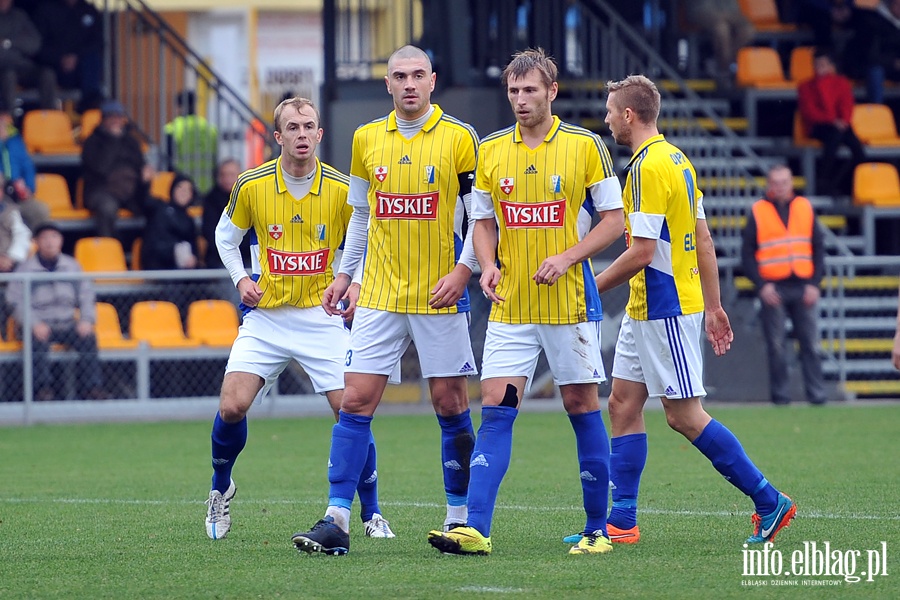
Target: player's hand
x,y
718,331
551,269
769,294
450,288
490,278
350,300
811,295
249,292
334,293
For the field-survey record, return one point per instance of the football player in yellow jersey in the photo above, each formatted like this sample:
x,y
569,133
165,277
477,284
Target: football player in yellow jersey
x,y
409,172
541,181
296,211
670,264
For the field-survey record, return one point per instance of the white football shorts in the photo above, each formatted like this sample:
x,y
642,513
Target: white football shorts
x,y
379,339
663,354
573,351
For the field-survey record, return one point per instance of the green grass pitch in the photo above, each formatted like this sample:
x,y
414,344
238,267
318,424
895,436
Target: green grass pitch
x,y
116,511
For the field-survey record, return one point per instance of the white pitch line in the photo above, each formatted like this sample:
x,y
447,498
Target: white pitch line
x,y
802,513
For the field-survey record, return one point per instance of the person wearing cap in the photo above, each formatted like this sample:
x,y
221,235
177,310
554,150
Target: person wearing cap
x,y
63,311
116,175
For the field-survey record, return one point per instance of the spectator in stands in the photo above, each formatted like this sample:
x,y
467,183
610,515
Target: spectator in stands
x,y
19,173
62,311
170,237
826,107
729,28
19,44
877,47
115,172
214,204
15,237
783,254
192,143
824,17
72,33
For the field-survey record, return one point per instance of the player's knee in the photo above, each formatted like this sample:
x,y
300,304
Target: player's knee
x,y
450,396
622,409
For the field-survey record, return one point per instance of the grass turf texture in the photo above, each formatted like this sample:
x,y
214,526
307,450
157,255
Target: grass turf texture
x,y
116,511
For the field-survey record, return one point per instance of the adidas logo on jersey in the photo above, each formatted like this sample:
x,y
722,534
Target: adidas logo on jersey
x,y
404,160
467,368
372,478
479,461
670,391
586,475
453,465
531,170
296,219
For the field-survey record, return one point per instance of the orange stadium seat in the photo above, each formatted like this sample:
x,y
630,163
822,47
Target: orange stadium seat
x,y
52,190
159,324
49,132
100,254
801,140
109,329
212,322
763,14
877,184
161,185
874,125
89,121
801,67
761,68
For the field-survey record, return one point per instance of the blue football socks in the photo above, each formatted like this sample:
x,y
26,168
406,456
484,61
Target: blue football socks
x,y
593,465
727,455
626,464
368,484
490,461
350,439
457,441
228,439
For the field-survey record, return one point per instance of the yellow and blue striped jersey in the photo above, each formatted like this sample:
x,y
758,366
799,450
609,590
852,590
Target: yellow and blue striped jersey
x,y
293,239
543,207
661,202
413,193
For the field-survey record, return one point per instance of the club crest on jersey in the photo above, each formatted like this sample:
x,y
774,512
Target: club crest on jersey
x,y
380,173
276,231
555,184
320,231
507,184
429,174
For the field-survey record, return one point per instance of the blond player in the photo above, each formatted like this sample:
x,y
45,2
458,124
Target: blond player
x,y
541,181
296,211
408,172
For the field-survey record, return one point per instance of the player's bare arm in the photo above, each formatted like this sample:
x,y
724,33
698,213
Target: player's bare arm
x,y
638,255
608,230
249,291
485,239
334,293
718,327
450,288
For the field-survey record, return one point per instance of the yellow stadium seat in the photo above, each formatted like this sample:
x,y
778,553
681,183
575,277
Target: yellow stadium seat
x,y
161,185
49,132
109,329
89,121
159,324
52,190
763,14
801,67
877,184
874,125
761,68
801,140
100,254
212,322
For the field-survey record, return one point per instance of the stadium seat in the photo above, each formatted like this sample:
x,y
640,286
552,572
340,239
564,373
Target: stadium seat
x,y
100,254
109,329
801,140
763,14
161,185
89,121
874,125
212,322
11,342
159,324
761,68
52,190
801,67
136,246
876,184
48,132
